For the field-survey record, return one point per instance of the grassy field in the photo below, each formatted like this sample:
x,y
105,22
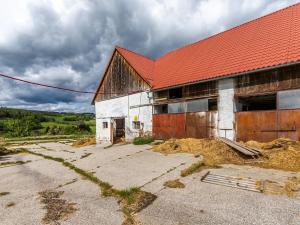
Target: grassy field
x,y
22,124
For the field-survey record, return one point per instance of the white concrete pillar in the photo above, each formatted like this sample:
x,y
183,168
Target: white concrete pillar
x,y
226,107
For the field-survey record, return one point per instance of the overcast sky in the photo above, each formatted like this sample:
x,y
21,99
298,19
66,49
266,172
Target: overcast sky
x,y
67,42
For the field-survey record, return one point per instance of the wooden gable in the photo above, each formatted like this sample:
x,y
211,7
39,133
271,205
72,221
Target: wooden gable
x,y
120,79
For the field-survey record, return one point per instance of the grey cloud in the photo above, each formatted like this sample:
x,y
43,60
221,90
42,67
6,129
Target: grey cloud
x,y
83,43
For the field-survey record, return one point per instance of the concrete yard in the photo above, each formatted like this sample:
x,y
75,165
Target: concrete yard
x,y
125,166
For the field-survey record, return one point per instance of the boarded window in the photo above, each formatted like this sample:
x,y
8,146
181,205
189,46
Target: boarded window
x,y
289,99
200,105
176,107
105,125
160,109
136,125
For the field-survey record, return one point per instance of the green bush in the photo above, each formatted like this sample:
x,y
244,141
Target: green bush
x,y
142,140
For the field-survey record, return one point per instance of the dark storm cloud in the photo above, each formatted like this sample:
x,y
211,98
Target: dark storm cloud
x,y
71,51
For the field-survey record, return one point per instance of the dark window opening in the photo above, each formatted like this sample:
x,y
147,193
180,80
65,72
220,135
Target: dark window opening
x,y
253,103
212,104
161,95
175,93
105,125
160,109
136,125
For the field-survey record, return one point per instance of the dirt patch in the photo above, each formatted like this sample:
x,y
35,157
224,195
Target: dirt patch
x,y
174,184
10,204
4,193
57,209
283,154
133,200
84,142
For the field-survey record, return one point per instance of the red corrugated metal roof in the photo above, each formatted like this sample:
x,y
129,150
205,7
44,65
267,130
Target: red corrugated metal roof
x,y
268,41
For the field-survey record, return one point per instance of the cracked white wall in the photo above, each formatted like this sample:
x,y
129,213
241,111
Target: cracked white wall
x,y
226,108
129,107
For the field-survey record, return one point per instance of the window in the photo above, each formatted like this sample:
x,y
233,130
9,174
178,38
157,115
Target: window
x,y
175,93
176,107
254,103
160,109
212,104
136,125
200,105
105,125
289,99
161,95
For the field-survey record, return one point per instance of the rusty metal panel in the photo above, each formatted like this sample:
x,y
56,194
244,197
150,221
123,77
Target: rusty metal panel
x,y
196,125
201,124
212,123
169,126
256,125
289,124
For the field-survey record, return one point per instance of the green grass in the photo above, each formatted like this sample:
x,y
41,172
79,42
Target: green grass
x,y
142,140
15,123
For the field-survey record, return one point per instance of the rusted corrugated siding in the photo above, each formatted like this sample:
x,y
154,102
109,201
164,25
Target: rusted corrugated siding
x,y
267,125
201,124
196,125
289,124
256,125
169,125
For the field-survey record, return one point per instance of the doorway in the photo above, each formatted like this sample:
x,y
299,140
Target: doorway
x,y
119,129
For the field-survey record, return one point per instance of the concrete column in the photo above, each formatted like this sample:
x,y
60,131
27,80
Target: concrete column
x,y
226,109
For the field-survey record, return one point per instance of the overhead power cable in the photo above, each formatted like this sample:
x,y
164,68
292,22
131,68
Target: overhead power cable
x,y
60,88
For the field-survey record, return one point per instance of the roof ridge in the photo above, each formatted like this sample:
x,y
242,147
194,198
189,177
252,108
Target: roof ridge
x,y
225,31
117,46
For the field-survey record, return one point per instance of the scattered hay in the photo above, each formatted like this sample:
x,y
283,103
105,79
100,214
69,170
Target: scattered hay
x,y
215,152
84,142
4,193
10,204
4,151
85,155
283,154
57,208
197,167
174,184
290,188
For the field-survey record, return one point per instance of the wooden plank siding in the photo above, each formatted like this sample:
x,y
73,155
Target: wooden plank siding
x,y
119,80
268,81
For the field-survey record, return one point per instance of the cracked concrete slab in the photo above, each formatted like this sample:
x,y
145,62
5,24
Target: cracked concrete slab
x,y
123,166
203,203
24,182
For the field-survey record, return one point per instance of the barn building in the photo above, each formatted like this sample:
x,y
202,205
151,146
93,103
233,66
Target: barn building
x,y
242,84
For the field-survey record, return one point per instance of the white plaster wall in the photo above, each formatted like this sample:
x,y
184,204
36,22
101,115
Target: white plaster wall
x,y
122,107
226,108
